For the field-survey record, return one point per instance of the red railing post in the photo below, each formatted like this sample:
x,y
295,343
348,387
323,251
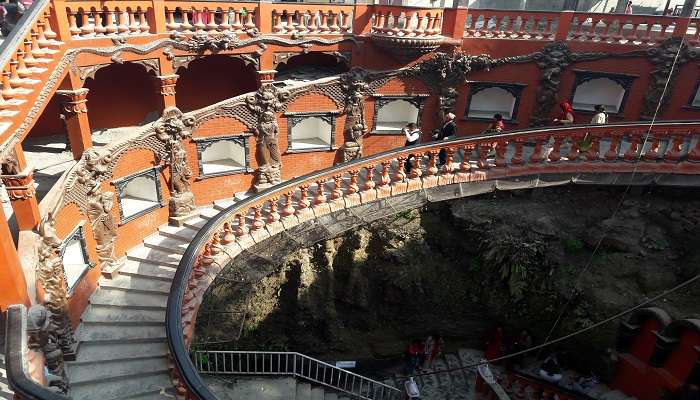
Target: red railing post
x,y
564,26
453,22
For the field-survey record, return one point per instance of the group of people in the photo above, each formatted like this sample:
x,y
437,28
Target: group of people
x,y
422,353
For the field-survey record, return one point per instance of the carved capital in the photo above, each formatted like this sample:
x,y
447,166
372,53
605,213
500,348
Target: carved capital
x,y
167,84
266,76
19,186
74,101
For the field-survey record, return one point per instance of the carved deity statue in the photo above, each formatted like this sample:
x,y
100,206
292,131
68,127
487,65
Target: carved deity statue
x,y
104,229
266,101
51,272
95,167
10,164
172,129
43,339
355,87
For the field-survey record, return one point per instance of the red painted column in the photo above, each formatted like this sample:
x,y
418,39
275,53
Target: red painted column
x,y
565,20
13,286
453,22
77,122
19,183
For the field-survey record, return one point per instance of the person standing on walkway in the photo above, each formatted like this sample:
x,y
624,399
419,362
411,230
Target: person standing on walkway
x,y
566,116
628,9
448,130
433,348
600,117
412,134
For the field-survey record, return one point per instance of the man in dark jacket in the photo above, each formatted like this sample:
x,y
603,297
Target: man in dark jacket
x,y
448,130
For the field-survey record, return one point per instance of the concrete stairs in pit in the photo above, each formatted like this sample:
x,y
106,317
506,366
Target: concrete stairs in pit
x,y
5,392
272,388
123,348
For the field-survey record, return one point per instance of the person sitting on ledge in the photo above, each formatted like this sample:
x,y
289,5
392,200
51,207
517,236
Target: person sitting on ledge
x,y
496,125
566,117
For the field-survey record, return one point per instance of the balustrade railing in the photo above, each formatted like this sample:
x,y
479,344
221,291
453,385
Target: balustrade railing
x,y
670,148
312,18
293,364
91,20
397,21
511,24
621,28
210,17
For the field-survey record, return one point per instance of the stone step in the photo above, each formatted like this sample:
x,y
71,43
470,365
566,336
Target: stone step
x,y
120,298
184,233
165,243
122,388
209,213
195,223
137,284
317,393
153,256
135,268
223,204
117,333
158,394
330,396
96,314
115,369
303,391
94,352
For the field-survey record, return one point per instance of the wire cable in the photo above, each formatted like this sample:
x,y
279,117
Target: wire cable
x,y
568,336
589,263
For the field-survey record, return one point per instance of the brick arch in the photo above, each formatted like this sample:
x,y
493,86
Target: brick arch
x,y
211,79
315,101
404,86
122,95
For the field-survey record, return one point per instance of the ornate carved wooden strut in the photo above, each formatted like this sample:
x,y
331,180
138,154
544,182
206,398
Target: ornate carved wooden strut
x,y
263,104
355,87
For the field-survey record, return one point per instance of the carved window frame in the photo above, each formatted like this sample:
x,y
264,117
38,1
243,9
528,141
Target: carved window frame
x,y
693,95
624,80
516,89
293,118
121,183
381,100
204,143
76,234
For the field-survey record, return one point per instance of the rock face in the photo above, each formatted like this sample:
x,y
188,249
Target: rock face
x,y
459,268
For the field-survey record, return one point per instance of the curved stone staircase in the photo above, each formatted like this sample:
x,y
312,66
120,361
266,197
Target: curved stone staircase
x,y
123,347
5,392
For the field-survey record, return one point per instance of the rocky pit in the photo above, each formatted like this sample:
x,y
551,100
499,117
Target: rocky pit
x,y
462,267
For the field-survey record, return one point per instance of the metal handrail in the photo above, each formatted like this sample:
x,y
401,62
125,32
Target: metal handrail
x,y
174,320
16,36
16,347
293,364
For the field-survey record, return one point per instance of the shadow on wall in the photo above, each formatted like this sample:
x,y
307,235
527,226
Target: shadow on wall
x,y
121,95
211,79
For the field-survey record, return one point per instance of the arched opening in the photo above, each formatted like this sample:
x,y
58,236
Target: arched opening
x,y
223,156
311,133
492,100
122,95
603,91
211,79
310,66
395,114
138,195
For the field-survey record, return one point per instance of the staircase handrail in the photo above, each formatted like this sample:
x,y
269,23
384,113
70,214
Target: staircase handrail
x,y
16,362
14,39
185,370
296,372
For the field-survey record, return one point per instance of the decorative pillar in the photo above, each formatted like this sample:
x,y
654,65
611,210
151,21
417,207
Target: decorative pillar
x,y
664,346
167,89
355,86
264,104
76,119
19,184
626,333
265,77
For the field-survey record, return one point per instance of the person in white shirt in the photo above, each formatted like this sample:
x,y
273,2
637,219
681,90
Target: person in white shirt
x,y
600,117
412,134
